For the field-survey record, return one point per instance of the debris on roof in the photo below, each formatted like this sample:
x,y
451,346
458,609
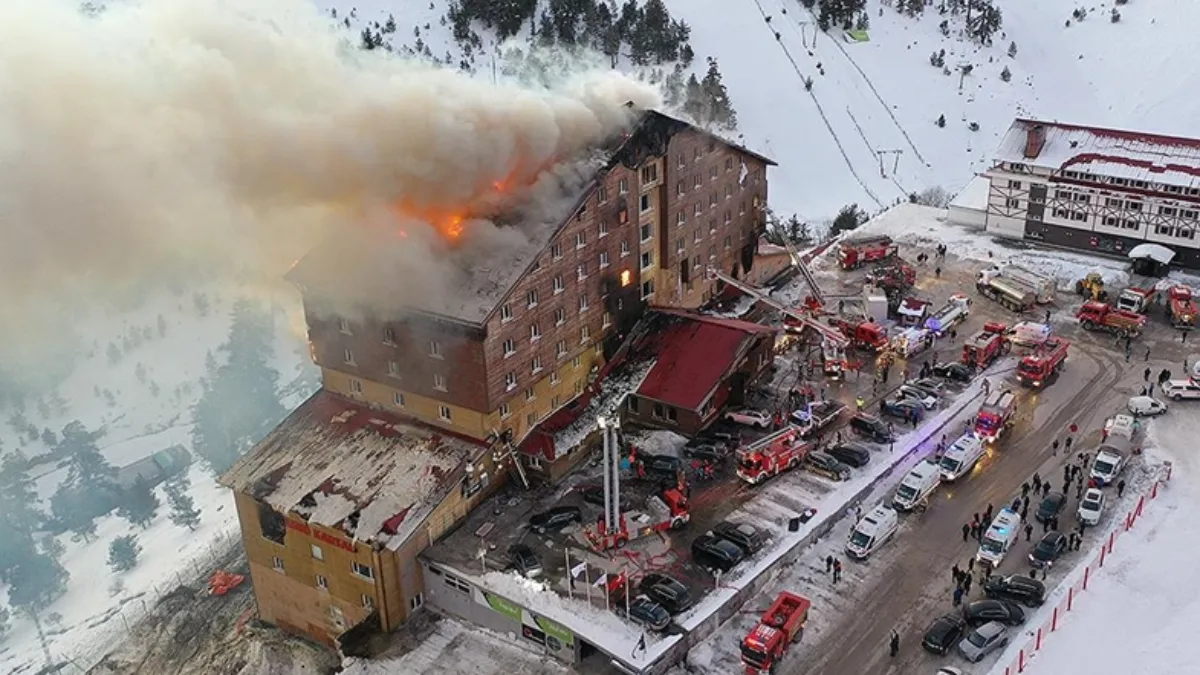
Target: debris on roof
x,y
339,464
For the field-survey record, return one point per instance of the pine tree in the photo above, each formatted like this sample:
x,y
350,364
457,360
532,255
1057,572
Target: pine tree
x,y
657,33
694,103
3,622
720,109
183,508
123,553
983,20
90,488
1012,50
1006,74
139,504
545,31
941,121
849,218
36,582
19,514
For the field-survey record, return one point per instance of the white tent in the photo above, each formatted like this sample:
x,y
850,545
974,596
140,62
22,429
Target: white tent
x,y
1156,252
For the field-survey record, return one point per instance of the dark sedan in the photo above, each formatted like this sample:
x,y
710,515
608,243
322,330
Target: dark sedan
x,y
856,455
708,451
944,633
594,494
745,536
1051,506
982,611
823,464
648,613
872,428
902,408
1029,592
666,591
524,560
663,465
1051,546
713,552
956,372
555,519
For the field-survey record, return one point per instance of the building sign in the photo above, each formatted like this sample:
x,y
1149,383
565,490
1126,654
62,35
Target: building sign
x,y
336,541
536,628
299,526
503,606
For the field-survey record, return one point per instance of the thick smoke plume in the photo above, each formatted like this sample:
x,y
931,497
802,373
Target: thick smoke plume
x,y
193,134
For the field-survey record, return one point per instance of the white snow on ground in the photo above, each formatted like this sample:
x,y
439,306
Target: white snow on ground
x,y
140,424
657,442
1144,596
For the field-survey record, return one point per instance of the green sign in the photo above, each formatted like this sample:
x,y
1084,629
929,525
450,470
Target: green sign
x,y
503,606
554,630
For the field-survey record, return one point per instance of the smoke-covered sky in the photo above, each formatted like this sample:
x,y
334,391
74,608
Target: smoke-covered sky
x,y
161,135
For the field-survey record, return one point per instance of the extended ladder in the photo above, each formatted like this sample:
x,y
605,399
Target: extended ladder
x,y
827,332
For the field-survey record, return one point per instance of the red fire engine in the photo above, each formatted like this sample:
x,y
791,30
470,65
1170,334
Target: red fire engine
x,y
771,455
863,334
1180,307
668,511
853,253
778,628
986,346
1036,369
995,415
1100,316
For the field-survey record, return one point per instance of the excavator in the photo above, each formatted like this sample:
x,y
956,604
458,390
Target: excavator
x,y
1091,287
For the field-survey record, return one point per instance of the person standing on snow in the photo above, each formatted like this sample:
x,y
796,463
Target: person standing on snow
x,y
958,596
894,643
966,530
1028,531
1120,488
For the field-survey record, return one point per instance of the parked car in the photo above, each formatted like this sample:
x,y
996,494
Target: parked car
x,y
871,428
708,451
524,560
666,591
1051,506
646,612
982,611
910,393
902,408
712,552
663,465
948,670
1146,406
744,535
1029,592
1090,507
711,437
852,454
955,372
594,494
555,519
929,385
943,633
1178,390
1047,550
750,418
823,464
983,641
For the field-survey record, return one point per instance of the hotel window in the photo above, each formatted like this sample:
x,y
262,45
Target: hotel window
x,y
362,570
607,320
728,192
1014,184
1113,203
536,365
580,239
389,336
646,232
355,386
558,285
393,369
696,181
581,271
712,225
583,303
530,394
603,229
604,259
679,246
1062,194
510,381
505,411
556,251
1079,216
647,259
560,348
649,173
742,208
344,326
1185,233
535,331
644,203
531,299
444,413
647,288
435,349
602,195
578,386
510,347
728,164
560,316
439,382
1112,221
624,248
531,419
348,357
712,173
277,564
728,217
1164,230
553,400
506,314
554,380
1133,206
728,241
577,361
681,161
585,333
712,201
457,584
696,236
1166,211
623,185
1012,203
680,189
398,399
317,553
697,209
712,252
368,602
322,583
680,218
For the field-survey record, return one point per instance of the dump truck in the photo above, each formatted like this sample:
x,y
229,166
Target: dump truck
x,y
1181,310
1095,315
954,312
858,251
1036,369
814,417
1136,300
771,455
984,347
780,626
1045,288
1010,293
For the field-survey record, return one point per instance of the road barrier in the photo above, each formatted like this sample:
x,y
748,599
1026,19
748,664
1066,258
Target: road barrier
x,y
1078,582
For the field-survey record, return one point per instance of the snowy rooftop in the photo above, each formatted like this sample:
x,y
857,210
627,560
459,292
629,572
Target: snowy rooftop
x,y
1107,152
974,196
341,465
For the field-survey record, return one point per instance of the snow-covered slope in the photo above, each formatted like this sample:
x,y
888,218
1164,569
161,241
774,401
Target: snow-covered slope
x,y
883,95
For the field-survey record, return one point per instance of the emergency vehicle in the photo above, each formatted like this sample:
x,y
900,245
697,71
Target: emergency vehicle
x,y
996,415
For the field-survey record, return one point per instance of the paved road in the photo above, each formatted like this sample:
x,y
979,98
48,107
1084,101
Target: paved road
x,y
917,587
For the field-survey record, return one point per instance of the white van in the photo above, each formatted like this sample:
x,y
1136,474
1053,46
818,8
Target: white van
x,y
1030,334
1121,426
1177,390
961,457
1146,406
872,531
1110,459
1000,536
917,486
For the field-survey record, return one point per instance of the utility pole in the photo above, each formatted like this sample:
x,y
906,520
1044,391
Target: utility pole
x,y
895,163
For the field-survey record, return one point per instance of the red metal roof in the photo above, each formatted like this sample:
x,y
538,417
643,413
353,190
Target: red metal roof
x,y
1125,135
693,354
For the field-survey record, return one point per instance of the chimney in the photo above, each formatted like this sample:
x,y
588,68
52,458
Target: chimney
x,y
1035,140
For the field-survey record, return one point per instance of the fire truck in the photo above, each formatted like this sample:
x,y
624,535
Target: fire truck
x,y
780,626
814,417
995,415
771,455
1010,293
863,334
1036,369
955,311
668,510
1180,307
984,347
1095,315
858,251
1136,300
